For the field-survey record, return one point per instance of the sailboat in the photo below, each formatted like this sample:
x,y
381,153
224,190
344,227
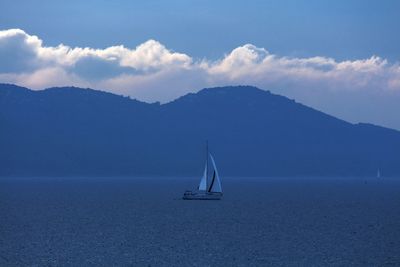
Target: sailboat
x,y
378,174
209,187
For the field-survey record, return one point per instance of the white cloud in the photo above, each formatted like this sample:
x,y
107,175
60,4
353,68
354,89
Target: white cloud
x,y
152,72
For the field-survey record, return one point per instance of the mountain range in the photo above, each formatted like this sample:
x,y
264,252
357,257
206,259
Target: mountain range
x,y
70,131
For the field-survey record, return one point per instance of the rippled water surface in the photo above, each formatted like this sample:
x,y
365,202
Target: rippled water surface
x,y
143,222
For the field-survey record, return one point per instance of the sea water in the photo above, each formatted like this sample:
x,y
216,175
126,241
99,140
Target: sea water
x,y
144,222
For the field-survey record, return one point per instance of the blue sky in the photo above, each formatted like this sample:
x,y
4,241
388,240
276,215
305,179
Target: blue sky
x,y
341,57
339,29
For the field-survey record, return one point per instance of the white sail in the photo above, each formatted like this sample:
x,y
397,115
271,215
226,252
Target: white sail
x,y
203,181
215,184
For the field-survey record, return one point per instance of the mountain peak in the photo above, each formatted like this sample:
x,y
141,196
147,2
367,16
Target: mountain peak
x,y
228,94
240,90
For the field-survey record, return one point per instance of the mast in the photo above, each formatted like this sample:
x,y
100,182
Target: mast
x,y
206,164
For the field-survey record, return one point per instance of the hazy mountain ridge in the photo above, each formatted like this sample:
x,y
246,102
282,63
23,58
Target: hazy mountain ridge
x,y
252,132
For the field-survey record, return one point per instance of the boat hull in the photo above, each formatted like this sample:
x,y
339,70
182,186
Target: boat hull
x,y
189,195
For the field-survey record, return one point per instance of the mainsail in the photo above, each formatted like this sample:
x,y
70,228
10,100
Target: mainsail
x,y
203,181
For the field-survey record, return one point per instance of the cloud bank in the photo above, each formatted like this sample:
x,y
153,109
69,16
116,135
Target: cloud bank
x,y
352,89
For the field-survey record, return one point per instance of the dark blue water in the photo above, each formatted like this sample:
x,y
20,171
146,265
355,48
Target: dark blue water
x,y
143,222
